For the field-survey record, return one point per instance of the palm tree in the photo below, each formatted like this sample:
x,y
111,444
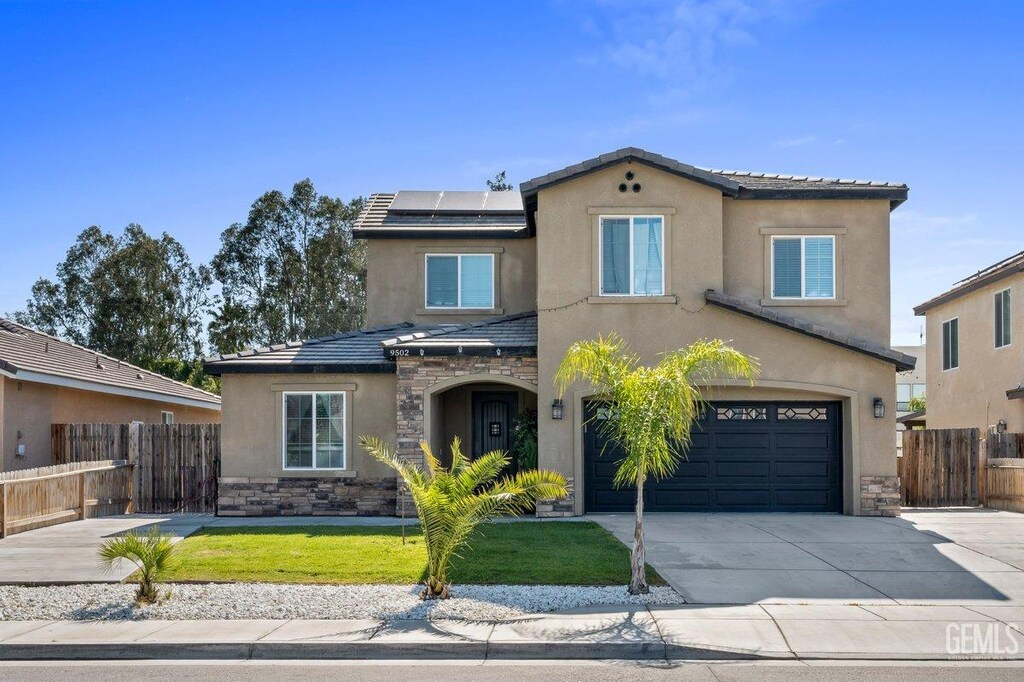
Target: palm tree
x,y
653,409
451,502
152,553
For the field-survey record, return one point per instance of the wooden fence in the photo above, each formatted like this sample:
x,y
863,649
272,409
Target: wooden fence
x,y
960,467
1004,484
46,496
939,467
176,465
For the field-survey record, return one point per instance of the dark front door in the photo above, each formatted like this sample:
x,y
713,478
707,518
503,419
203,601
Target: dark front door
x,y
493,413
750,456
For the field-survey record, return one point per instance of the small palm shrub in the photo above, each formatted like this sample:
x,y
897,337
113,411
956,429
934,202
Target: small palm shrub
x,y
152,553
451,502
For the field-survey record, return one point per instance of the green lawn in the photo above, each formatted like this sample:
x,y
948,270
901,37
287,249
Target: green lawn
x,y
550,553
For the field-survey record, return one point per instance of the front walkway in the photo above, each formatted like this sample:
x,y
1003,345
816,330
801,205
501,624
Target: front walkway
x,y
66,553
926,557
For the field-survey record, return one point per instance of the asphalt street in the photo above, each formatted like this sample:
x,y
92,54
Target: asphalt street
x,y
375,671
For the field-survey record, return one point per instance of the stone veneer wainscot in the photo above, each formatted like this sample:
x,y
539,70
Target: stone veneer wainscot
x,y
290,496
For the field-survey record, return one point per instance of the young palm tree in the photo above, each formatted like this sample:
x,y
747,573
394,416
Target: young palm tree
x,y
152,553
653,409
452,502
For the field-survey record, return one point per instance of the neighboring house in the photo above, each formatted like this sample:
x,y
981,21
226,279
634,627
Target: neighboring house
x,y
975,365
474,297
44,381
909,384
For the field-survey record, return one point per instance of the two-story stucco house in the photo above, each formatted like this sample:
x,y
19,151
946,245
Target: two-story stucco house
x,y
474,297
975,369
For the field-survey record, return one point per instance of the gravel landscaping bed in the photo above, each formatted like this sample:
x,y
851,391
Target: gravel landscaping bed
x,y
261,600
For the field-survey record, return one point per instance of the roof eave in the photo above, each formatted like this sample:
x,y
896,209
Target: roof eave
x,y
235,367
894,195
965,289
441,233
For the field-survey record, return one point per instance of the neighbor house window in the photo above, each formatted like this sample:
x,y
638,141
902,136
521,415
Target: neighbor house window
x,y
460,281
314,430
904,393
632,256
166,417
1003,318
804,267
951,344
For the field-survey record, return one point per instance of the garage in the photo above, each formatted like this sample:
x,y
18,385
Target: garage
x,y
748,457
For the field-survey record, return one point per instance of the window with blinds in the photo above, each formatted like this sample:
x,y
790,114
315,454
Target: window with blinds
x,y
632,256
804,267
460,281
1003,318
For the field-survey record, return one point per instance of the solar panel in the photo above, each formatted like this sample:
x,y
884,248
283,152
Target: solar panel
x,y
461,201
415,201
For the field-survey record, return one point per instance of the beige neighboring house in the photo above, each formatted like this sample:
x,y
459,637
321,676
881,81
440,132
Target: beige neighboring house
x,y
474,297
909,384
45,380
975,364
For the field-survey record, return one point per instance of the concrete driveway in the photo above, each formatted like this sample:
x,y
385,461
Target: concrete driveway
x,y
926,557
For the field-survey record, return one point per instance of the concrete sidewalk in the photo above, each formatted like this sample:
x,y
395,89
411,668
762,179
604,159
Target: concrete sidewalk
x,y
679,632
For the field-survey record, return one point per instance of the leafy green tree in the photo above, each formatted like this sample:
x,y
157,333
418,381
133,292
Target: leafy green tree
x,y
917,404
153,553
134,296
291,271
500,184
452,502
652,409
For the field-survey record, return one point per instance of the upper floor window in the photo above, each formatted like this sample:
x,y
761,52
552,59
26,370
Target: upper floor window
x,y
460,281
804,267
314,430
905,393
632,256
951,344
1003,318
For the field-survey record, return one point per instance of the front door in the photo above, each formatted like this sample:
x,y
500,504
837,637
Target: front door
x,y
493,413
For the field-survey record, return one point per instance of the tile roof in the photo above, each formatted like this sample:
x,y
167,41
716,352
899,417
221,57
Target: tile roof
x,y
902,361
34,356
350,352
448,214
514,334
984,277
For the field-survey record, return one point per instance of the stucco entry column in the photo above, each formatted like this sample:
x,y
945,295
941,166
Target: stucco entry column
x,y
420,377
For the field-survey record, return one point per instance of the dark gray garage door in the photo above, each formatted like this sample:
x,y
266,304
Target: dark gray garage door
x,y
753,456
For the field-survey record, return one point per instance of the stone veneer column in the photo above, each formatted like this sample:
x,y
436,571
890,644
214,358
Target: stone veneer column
x,y
879,495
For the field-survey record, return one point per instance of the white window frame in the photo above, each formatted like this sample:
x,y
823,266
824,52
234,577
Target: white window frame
x,y
803,267
1009,321
166,417
284,430
458,281
632,280
942,344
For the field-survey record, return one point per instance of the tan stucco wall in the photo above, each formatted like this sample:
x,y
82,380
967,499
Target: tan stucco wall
x,y
394,280
862,258
974,395
31,408
794,364
251,438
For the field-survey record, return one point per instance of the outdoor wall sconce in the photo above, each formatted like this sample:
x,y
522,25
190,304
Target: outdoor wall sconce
x,y
879,407
556,409
1001,426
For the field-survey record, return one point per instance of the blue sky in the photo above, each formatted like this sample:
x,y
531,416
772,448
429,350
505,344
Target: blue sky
x,y
177,115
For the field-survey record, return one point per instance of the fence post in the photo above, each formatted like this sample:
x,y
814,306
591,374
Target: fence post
x,y
81,494
3,510
134,488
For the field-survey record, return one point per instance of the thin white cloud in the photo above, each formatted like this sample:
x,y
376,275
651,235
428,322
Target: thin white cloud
x,y
796,142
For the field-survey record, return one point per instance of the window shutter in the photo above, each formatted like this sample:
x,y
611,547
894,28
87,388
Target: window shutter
x,y
786,273
615,256
477,282
442,281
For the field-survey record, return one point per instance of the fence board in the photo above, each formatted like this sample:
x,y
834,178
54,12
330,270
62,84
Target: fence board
x,y
940,467
46,496
175,465
1004,482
